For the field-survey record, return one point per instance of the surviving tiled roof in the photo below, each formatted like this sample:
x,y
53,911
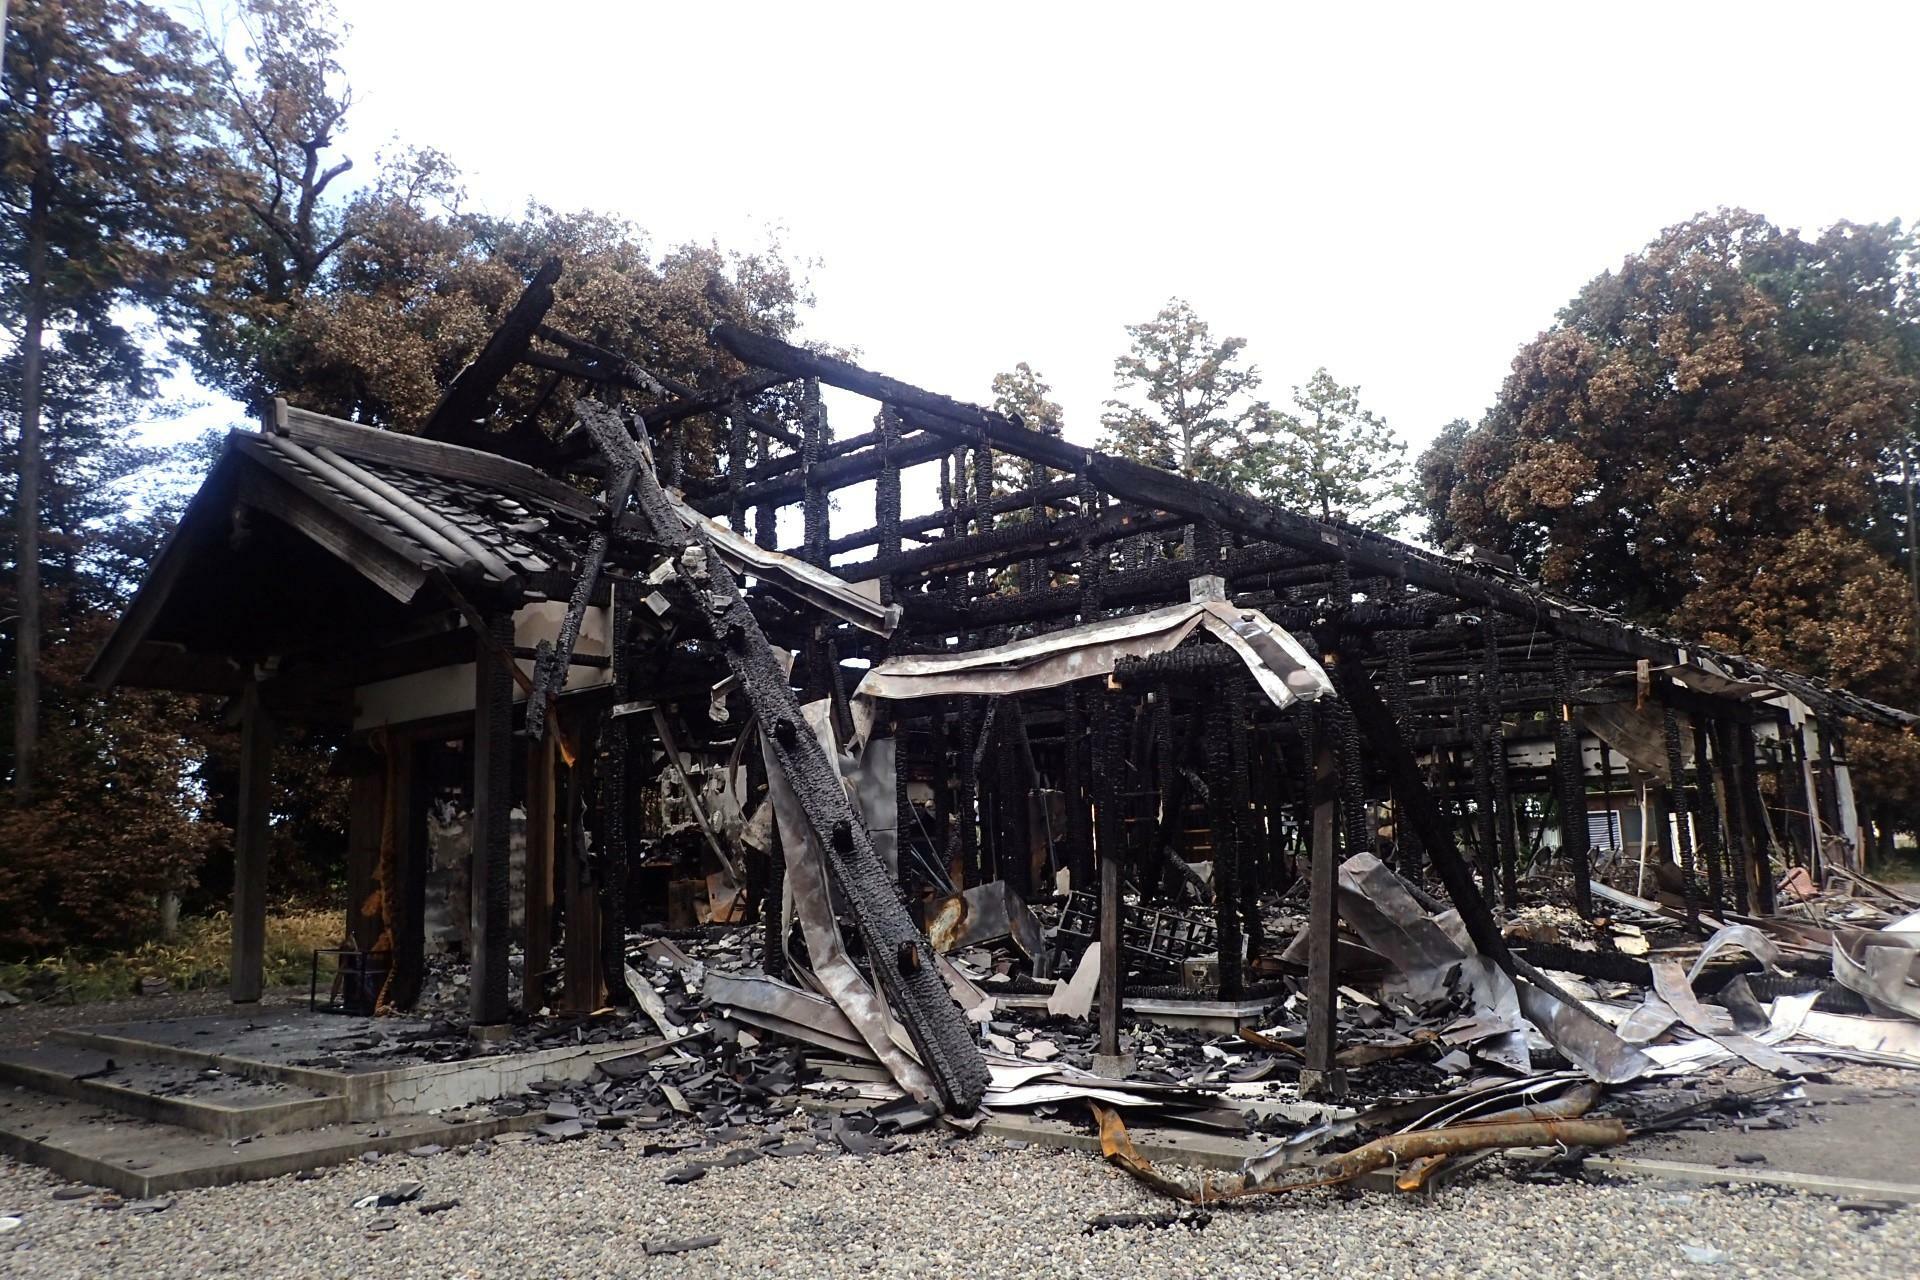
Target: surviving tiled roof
x,y
436,505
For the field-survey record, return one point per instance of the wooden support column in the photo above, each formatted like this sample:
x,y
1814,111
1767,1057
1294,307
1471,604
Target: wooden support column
x,y
1502,781
1682,820
617,805
1733,817
250,846
1485,825
583,982
1319,1077
1758,869
492,799
366,827
1223,836
541,759
1571,771
1707,812
1109,835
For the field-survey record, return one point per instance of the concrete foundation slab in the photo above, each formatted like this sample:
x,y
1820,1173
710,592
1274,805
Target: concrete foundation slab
x,y
141,1159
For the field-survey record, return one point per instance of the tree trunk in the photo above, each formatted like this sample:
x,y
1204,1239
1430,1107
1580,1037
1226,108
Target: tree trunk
x,y
26,703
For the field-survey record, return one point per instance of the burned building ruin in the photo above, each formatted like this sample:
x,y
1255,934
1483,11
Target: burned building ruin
x,y
756,685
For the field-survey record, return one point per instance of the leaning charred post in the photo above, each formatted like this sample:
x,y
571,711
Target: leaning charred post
x,y
900,954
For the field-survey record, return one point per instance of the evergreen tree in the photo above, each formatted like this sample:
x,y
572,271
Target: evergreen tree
x,y
1332,459
103,167
1189,402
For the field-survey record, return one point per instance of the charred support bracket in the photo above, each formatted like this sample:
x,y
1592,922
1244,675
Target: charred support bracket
x,y
914,988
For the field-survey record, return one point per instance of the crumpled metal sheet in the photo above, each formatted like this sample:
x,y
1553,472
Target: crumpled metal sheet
x,y
1673,986
1284,670
781,1007
1882,965
857,603
808,897
1375,903
1585,1043
1743,936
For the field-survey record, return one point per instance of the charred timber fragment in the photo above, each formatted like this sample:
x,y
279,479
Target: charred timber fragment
x,y
917,994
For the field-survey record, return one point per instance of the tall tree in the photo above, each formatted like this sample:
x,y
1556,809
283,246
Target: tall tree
x,y
1188,400
1331,458
1711,436
101,171
287,216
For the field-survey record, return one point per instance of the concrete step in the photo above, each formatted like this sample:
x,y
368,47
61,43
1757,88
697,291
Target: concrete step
x,y
185,1095
84,1142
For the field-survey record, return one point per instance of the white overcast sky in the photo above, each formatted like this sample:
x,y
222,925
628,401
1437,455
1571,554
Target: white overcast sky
x,y
1403,193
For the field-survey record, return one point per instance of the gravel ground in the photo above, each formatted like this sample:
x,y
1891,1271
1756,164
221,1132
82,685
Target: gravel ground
x,y
964,1208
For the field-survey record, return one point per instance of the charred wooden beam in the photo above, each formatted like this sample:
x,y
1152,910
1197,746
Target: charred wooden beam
x,y
1051,495
458,417
903,961
831,473
1153,487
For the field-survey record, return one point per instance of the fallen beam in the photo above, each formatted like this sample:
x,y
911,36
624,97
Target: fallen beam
x,y
903,961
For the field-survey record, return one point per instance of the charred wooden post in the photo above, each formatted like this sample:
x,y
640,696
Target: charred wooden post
x,y
738,443
886,489
257,733
813,507
617,794
1502,781
1485,821
1246,883
1012,856
1739,839
1224,836
974,720
1079,821
1682,819
766,531
1111,839
1615,827
1708,809
1828,778
1571,772
1319,1076
492,800
1406,841
1758,871
541,760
